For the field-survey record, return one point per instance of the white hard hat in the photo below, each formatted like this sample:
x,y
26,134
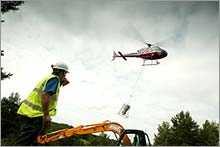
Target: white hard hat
x,y
62,66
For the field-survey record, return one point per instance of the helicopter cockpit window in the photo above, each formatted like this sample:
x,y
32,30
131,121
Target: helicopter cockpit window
x,y
154,49
140,50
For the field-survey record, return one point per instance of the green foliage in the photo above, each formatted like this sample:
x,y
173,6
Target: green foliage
x,y
102,140
10,119
5,75
57,126
9,141
164,136
185,132
209,134
6,6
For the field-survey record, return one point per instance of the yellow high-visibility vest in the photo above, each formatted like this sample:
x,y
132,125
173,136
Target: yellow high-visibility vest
x,y
32,106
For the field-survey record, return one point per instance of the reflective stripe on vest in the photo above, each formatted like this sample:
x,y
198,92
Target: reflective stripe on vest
x,y
39,90
33,106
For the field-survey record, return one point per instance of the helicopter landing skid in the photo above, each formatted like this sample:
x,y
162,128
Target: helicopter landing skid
x,y
157,62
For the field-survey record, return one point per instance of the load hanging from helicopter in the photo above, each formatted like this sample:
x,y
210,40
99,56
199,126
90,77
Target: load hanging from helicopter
x,y
151,52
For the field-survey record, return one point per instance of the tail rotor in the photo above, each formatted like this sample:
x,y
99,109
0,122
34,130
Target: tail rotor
x,y
114,56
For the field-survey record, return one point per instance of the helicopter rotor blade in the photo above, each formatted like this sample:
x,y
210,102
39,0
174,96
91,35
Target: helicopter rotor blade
x,y
170,40
133,33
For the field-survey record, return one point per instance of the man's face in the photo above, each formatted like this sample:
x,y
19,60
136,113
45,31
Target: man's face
x,y
62,75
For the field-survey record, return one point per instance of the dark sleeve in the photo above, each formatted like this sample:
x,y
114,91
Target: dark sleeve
x,y
51,86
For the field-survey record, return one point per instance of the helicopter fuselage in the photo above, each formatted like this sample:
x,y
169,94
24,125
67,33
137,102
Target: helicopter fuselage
x,y
149,53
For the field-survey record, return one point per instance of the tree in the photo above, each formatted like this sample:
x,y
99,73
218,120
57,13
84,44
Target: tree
x,y
5,75
183,132
209,134
164,136
9,118
7,6
102,140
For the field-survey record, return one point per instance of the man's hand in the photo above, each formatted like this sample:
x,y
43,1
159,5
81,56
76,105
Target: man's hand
x,y
46,121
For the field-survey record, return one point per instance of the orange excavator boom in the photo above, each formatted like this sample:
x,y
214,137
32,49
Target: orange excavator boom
x,y
84,129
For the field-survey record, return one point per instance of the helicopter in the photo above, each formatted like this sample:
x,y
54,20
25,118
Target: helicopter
x,y
152,52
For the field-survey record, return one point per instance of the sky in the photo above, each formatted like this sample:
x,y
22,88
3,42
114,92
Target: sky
x,y
84,34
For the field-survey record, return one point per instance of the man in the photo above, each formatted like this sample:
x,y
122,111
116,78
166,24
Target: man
x,y
41,103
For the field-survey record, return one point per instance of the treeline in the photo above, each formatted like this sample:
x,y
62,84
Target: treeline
x,y
183,130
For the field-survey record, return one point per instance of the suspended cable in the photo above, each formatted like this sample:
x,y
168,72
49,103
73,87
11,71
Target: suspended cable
x,y
124,111
136,82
